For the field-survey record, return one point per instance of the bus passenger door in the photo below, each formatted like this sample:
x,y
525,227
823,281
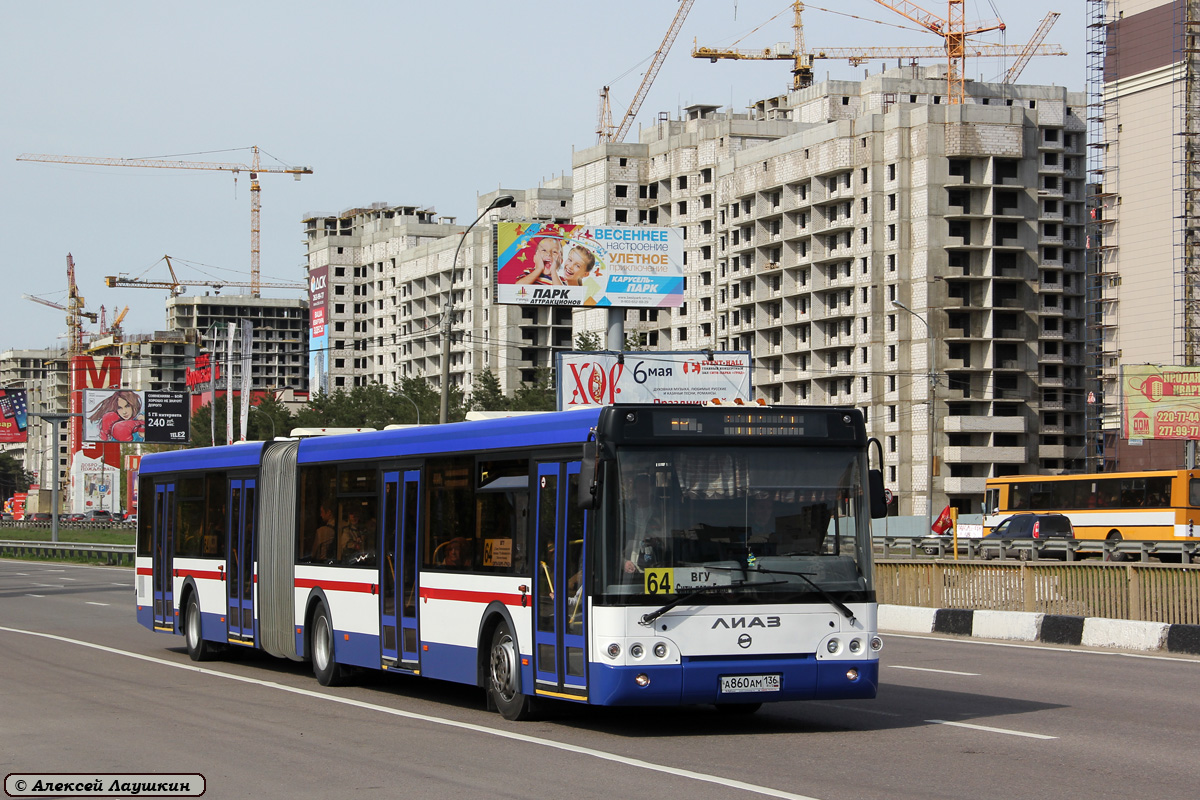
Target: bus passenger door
x,y
164,541
398,568
240,560
560,654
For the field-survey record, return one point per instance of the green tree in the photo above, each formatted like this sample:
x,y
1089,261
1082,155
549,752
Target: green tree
x,y
587,342
13,477
487,395
538,395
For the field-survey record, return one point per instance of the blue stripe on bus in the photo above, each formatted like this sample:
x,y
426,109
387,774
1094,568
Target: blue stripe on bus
x,y
223,457
535,430
699,682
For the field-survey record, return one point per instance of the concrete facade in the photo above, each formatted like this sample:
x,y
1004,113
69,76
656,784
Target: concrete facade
x,y
393,275
808,219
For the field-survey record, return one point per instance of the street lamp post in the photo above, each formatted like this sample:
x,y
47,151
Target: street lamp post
x,y
414,405
503,201
270,419
932,385
55,420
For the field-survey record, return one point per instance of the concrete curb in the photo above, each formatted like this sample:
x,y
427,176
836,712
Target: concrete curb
x,y
1023,626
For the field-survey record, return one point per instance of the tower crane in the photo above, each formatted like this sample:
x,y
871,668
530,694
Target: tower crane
x,y
953,29
604,128
177,287
254,168
802,60
74,309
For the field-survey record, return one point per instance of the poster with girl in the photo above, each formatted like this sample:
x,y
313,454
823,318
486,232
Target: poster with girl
x,y
113,416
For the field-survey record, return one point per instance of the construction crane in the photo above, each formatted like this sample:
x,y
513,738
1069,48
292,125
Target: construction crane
x,y
1027,53
74,309
802,75
802,60
177,287
604,126
254,168
953,29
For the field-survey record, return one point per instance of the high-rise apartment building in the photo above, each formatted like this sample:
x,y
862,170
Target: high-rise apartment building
x,y
1144,128
844,232
394,286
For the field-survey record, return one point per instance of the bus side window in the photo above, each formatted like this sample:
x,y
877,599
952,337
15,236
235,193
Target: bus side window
x,y
1194,491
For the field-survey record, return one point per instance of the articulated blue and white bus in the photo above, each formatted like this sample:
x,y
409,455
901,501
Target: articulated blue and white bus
x,y
627,555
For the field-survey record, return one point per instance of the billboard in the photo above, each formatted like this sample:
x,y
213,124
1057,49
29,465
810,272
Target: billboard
x,y
318,333
1160,402
14,415
605,266
123,415
606,378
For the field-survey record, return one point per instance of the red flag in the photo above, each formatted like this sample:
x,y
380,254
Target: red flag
x,y
943,523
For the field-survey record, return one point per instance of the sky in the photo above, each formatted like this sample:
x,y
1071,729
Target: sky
x,y
425,104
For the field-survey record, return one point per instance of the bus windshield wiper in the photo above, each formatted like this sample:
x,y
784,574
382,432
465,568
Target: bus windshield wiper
x,y
683,598
829,598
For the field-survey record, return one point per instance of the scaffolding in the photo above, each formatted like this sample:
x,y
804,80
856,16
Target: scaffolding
x,y
1102,410
1185,88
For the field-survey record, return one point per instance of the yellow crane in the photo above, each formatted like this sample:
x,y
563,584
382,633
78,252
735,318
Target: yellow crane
x,y
74,309
255,169
605,131
802,59
177,287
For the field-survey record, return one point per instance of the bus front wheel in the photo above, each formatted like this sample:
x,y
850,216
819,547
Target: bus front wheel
x,y
327,671
504,676
197,648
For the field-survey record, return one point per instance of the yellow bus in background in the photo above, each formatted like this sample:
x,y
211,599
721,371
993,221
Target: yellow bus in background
x,y
1162,505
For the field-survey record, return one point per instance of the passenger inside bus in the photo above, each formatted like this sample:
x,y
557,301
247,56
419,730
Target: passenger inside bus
x,y
323,542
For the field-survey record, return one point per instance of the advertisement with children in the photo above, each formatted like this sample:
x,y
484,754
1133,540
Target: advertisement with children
x,y
544,263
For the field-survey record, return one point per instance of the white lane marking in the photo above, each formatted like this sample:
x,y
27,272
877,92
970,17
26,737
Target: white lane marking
x,y
123,584
1045,647
93,603
851,708
49,585
449,723
35,595
939,671
65,578
990,730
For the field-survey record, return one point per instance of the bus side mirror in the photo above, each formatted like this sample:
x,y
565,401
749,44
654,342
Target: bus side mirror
x,y
879,508
589,487
875,487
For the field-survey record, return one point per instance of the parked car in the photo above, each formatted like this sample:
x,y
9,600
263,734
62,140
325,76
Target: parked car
x,y
1028,526
96,515
6,517
38,516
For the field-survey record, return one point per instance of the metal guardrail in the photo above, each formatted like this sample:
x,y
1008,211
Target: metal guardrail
x,y
111,553
1165,593
907,547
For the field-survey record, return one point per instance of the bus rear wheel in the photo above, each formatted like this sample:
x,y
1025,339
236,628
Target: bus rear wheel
x,y
1115,538
504,676
197,648
327,671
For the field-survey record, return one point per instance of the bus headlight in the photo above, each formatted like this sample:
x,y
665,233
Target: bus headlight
x,y
636,650
660,650
856,645
614,650
642,679
876,644
851,675
833,646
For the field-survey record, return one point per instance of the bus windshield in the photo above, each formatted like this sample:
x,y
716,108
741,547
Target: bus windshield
x,y
738,517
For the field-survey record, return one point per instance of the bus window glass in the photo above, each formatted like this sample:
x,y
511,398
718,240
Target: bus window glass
x,y
714,511
189,517
450,541
213,543
145,521
1194,491
317,542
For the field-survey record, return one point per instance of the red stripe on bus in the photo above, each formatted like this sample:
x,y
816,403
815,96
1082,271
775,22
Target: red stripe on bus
x,y
335,586
145,571
212,575
466,596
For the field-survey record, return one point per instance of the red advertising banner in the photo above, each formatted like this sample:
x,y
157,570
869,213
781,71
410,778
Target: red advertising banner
x,y
1160,402
14,416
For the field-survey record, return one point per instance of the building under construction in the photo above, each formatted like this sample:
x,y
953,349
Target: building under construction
x,y
1143,68
846,232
